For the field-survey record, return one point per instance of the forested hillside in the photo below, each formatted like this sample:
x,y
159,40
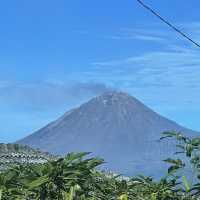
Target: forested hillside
x,y
15,154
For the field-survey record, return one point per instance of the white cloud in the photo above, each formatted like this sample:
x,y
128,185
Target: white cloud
x,y
169,75
153,33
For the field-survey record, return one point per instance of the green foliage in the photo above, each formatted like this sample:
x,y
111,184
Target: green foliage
x,y
189,151
75,177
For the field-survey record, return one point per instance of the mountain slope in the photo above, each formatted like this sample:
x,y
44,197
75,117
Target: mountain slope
x,y
114,126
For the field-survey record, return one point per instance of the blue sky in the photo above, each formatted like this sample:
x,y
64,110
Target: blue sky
x,y
55,55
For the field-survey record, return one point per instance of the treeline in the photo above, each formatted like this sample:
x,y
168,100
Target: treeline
x,y
75,177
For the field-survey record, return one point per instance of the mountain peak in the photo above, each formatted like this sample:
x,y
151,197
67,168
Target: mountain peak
x,y
115,95
114,126
114,98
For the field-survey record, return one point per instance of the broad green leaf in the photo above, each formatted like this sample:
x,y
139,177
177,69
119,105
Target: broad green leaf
x,y
1,193
38,182
123,197
186,184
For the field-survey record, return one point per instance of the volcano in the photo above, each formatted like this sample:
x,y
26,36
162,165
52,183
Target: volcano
x,y
114,126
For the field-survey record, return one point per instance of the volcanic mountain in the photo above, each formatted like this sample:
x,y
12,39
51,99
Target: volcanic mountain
x,y
114,126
